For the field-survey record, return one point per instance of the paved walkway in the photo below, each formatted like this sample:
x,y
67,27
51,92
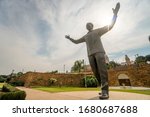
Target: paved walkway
x,y
33,94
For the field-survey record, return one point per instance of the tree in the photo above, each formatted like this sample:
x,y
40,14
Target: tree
x,y
147,57
19,74
140,59
54,72
112,64
78,66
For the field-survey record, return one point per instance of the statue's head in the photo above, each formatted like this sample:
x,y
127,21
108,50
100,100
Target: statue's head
x,y
89,26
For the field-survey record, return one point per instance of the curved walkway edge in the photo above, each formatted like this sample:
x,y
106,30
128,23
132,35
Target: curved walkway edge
x,y
33,94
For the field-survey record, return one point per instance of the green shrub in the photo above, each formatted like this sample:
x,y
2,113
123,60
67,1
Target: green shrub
x,y
17,95
52,81
11,93
2,79
17,83
8,88
90,81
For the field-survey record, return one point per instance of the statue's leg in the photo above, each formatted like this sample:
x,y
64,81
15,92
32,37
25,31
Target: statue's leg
x,y
100,60
92,61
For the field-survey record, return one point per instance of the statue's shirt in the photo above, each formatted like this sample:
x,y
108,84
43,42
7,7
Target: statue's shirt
x,y
93,40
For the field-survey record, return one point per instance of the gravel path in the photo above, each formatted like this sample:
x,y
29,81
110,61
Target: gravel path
x,y
33,94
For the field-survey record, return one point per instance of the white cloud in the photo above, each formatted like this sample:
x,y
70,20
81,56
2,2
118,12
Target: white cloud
x,y
22,36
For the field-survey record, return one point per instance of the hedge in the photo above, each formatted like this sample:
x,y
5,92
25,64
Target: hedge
x,y
17,83
11,93
17,95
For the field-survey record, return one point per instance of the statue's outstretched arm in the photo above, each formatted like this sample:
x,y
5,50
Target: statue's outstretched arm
x,y
105,29
115,11
75,41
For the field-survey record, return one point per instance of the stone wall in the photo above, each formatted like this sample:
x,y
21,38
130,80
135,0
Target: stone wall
x,y
138,76
42,79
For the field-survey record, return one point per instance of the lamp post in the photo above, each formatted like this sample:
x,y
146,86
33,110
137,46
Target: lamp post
x,y
84,68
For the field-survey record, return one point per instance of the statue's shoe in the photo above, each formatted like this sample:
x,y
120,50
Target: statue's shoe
x,y
104,96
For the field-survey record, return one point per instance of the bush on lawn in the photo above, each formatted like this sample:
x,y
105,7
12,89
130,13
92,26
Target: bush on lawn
x,y
11,93
90,81
2,79
17,95
8,88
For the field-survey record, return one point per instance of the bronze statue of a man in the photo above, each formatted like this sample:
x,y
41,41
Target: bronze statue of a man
x,y
96,52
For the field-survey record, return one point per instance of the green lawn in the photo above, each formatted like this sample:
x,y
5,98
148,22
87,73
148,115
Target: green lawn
x,y
146,92
1,85
64,89
69,89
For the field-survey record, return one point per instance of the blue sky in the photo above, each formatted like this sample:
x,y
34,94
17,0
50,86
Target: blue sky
x,y
32,32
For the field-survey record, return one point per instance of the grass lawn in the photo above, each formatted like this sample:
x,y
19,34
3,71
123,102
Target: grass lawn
x,y
1,85
64,89
146,92
69,89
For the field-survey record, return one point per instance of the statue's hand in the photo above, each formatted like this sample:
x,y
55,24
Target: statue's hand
x,y
67,36
115,11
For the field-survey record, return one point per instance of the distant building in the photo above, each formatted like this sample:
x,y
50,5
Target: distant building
x,y
87,68
123,63
127,61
